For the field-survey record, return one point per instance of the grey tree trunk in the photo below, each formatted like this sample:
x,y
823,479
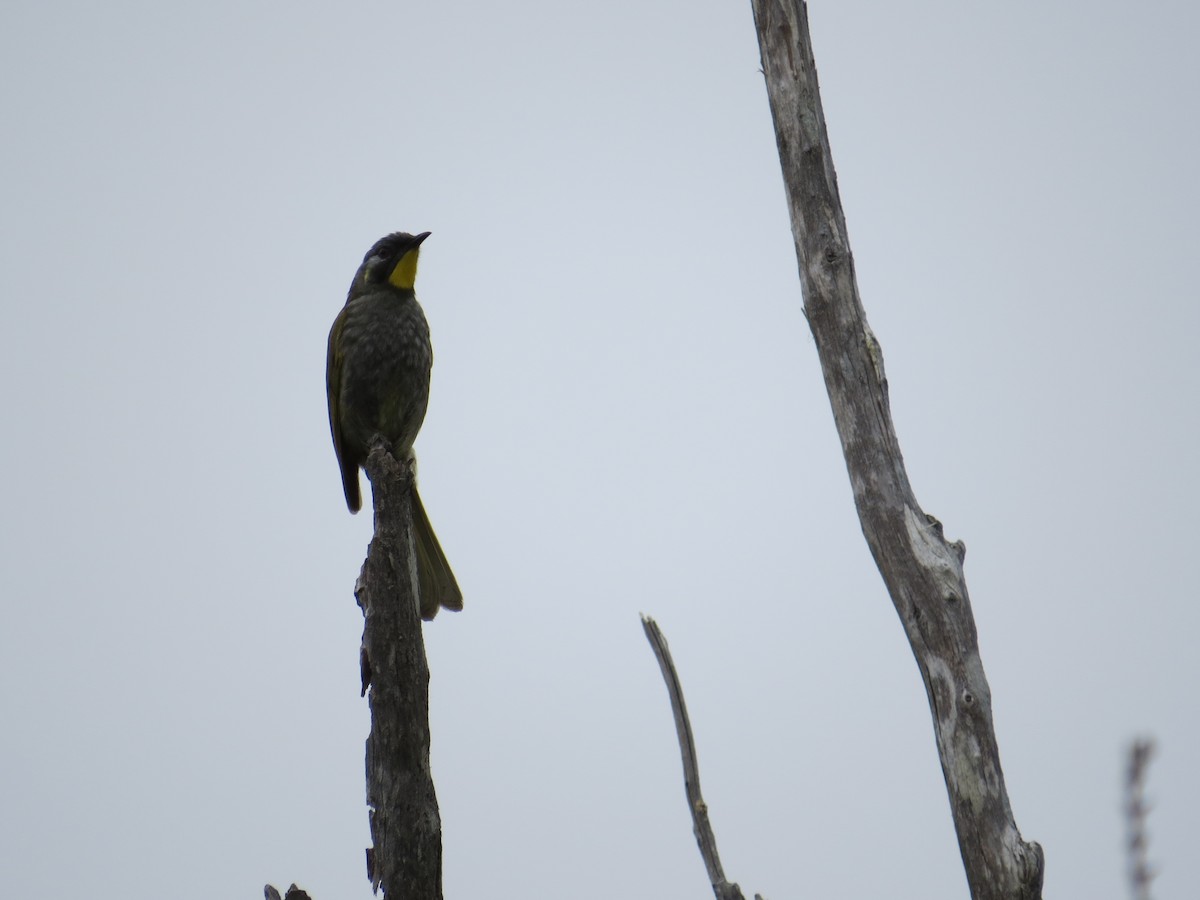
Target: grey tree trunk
x,y
406,827
923,572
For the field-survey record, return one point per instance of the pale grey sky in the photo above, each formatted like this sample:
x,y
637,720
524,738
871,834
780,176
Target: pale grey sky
x,y
627,415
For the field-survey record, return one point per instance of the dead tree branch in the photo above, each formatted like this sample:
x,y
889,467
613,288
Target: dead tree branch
x,y
293,893
922,570
406,828
1136,810
705,838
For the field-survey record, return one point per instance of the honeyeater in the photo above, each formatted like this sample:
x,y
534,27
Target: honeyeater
x,y
377,380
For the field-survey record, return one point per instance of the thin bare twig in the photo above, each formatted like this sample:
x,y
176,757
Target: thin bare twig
x,y
1136,809
705,838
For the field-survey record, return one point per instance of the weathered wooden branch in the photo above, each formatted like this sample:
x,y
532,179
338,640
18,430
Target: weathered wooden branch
x,y
406,828
707,841
922,570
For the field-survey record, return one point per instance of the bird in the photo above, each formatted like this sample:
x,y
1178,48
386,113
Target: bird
x,y
377,371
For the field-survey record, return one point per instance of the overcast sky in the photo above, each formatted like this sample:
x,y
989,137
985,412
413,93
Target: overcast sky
x,y
627,416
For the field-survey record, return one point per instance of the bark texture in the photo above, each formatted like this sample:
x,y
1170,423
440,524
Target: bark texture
x,y
922,570
406,828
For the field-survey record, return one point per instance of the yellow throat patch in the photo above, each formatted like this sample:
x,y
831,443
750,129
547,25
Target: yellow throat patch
x,y
404,275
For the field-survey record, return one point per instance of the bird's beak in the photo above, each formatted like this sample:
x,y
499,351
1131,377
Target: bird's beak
x,y
419,239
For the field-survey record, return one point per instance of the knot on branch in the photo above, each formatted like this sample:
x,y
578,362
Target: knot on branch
x,y
1032,862
941,560
958,547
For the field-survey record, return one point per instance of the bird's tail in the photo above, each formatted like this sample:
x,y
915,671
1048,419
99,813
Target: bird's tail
x,y
437,583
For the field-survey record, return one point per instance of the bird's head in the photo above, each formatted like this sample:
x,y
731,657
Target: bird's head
x,y
393,260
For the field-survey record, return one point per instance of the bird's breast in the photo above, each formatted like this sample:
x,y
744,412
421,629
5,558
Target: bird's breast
x,y
385,361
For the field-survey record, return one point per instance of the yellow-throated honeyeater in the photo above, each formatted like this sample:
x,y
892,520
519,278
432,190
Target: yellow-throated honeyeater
x,y
377,379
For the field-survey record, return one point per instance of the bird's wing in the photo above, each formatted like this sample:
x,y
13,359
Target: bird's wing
x,y
333,390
